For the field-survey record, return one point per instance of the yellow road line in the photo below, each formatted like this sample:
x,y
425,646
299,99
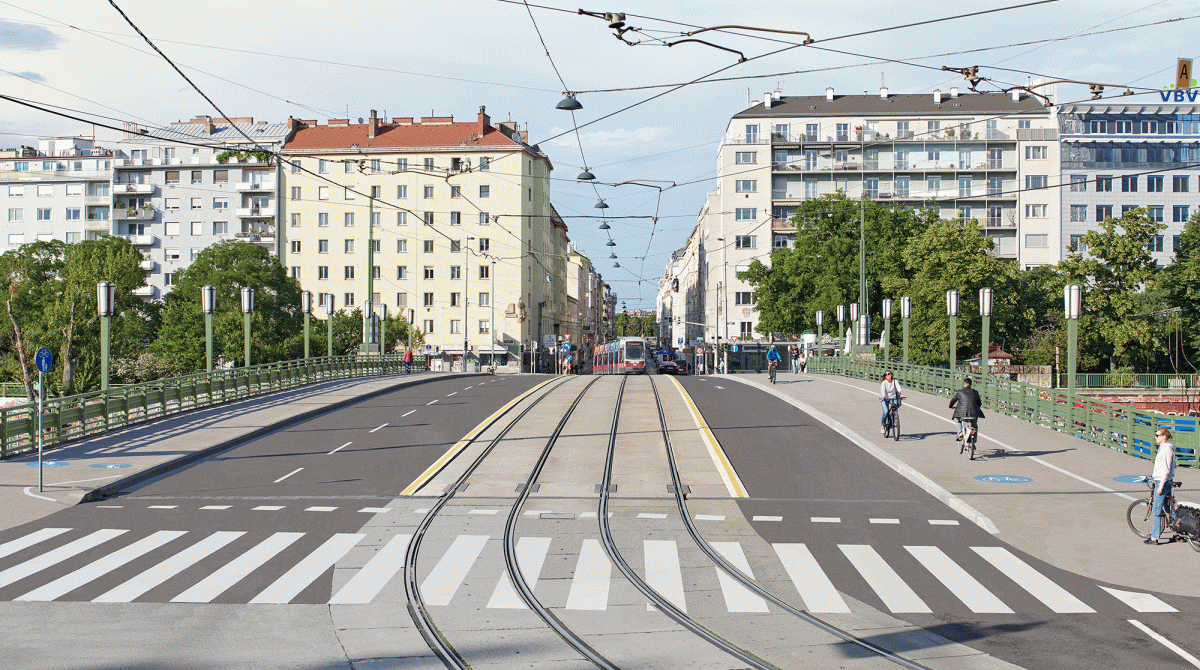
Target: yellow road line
x,y
724,467
440,463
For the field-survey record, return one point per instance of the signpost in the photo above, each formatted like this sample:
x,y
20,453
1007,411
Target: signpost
x,y
1183,73
45,360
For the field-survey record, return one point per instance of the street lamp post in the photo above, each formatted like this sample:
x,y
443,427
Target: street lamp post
x,y
952,312
208,300
106,298
368,326
329,325
247,311
466,300
306,304
854,324
887,329
492,323
820,322
841,318
1072,297
905,312
382,329
369,311
985,313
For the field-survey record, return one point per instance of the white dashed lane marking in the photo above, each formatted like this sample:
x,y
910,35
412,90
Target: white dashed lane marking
x,y
407,413
376,428
339,448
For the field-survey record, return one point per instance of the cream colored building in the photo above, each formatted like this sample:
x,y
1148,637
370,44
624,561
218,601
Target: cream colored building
x,y
463,227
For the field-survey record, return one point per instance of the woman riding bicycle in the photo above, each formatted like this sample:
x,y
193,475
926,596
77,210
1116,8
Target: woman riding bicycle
x,y
968,407
890,394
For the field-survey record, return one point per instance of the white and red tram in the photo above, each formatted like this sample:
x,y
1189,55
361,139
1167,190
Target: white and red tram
x,y
623,356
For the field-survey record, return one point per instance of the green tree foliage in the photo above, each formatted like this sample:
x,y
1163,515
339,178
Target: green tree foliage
x,y
277,325
1183,286
631,325
1120,280
821,271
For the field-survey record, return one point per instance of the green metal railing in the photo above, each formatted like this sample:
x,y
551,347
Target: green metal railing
x,y
1116,426
76,416
1132,381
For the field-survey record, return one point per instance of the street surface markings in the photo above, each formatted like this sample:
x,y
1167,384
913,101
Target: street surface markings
x,y
767,518
343,446
826,519
319,509
1038,585
891,589
287,475
287,587
96,569
468,388
370,580
663,573
407,413
376,428
810,581
377,510
162,506
531,555
729,476
943,522
56,556
450,394
110,506
127,592
268,508
591,515
13,546
236,570
593,575
1141,602
887,521
484,511
1166,643
431,402
536,512
719,387
651,515
710,517
738,598
216,507
445,578
964,587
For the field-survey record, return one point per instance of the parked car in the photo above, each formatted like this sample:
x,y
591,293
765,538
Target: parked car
x,y
671,368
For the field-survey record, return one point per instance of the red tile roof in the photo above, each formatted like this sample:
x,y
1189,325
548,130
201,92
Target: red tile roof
x,y
395,136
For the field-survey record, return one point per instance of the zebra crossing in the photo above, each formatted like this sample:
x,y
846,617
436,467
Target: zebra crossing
x,y
67,564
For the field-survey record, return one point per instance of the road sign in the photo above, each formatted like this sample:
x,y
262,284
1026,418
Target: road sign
x,y
679,340
733,338
1003,479
549,340
733,348
1183,73
45,360
699,351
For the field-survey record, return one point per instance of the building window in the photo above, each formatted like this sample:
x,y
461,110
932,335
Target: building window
x,y
221,203
296,272
348,246
43,214
375,164
349,193
1037,241
934,183
1078,182
1035,152
1179,213
745,157
747,330
428,163
429,218
428,300
401,272
1156,243
295,246
401,246
456,300
485,244
402,191
322,193
348,167
964,187
296,220
1035,211
428,192
455,191
323,219
780,242
348,300
485,299
171,203
456,218
349,271
349,219
1155,213
428,325
1125,209
1103,212
402,299
72,214
1078,213
1033,181
743,298
1129,184
1104,183
1179,183
427,246
429,272
220,227
485,191
746,213
1154,183
752,133
172,176
485,326
484,272
745,241
746,186
323,166
322,272
456,272
401,218
296,166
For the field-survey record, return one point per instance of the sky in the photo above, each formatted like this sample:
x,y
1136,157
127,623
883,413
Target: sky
x,y
272,59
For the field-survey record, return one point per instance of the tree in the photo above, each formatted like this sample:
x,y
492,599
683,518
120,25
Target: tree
x,y
277,323
1183,284
1120,281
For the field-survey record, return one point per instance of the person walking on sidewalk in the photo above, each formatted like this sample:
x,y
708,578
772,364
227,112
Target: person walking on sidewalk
x,y
803,361
794,354
890,394
1163,476
408,360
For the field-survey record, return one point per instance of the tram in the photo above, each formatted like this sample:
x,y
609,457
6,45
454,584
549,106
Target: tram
x,y
623,356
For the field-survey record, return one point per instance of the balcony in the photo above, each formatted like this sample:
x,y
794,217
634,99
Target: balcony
x,y
252,186
133,162
261,237
133,189
848,165
142,240
133,214
993,164
147,265
253,212
871,164
996,135
97,226
784,194
998,222
144,291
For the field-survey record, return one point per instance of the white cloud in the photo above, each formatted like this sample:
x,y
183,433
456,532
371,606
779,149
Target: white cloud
x,y
647,135
21,37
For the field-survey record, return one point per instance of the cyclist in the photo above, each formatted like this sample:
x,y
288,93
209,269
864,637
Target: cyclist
x,y
773,359
890,394
1164,475
968,408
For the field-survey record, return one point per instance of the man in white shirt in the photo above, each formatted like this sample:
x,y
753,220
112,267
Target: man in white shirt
x,y
1163,476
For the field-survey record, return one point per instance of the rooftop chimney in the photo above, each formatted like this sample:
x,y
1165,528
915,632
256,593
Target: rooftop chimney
x,y
484,121
766,100
937,96
953,91
829,93
208,125
373,125
883,92
1016,95
776,95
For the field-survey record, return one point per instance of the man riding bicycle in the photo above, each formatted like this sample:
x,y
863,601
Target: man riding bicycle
x,y
968,408
773,359
890,394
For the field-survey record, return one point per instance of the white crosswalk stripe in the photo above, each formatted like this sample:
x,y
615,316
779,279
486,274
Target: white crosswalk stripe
x,y
127,592
891,589
56,556
13,546
531,555
811,583
449,572
663,573
964,587
1055,597
593,576
236,570
738,598
372,577
101,567
287,587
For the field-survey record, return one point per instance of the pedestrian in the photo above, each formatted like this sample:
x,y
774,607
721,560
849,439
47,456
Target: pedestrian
x,y
408,360
1163,476
794,354
803,361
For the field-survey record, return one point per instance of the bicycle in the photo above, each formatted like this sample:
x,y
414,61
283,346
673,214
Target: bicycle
x,y
771,367
1141,521
891,424
970,436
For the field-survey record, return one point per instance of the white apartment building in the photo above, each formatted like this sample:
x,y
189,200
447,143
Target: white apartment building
x,y
446,204
172,198
1119,157
58,191
990,157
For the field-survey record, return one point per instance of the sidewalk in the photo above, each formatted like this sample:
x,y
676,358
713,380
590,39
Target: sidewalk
x,y
1070,512
84,469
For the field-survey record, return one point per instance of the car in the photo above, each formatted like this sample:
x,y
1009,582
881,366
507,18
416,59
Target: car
x,y
670,368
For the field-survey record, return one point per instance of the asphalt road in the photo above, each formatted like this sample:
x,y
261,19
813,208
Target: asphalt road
x,y
284,495
865,523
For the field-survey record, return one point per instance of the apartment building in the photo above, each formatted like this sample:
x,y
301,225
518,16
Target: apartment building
x,y
681,296
417,214
172,199
1120,157
57,191
989,157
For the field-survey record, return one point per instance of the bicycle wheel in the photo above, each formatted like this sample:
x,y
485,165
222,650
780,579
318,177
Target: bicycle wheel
x,y
971,456
1140,520
896,425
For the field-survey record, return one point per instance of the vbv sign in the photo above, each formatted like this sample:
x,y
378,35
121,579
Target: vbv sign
x,y
1179,95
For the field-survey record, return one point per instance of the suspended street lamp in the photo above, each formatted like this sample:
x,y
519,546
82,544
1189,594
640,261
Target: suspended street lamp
x,y
568,103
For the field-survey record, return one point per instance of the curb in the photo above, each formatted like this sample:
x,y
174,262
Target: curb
x,y
114,488
905,470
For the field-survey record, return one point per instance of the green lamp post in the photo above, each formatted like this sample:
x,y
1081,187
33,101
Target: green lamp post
x,y
905,313
1072,297
208,300
985,313
841,318
952,312
306,299
247,312
106,301
329,324
887,330
820,322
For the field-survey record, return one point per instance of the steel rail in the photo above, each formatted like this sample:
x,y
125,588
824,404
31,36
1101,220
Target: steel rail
x,y
745,581
510,549
665,606
416,604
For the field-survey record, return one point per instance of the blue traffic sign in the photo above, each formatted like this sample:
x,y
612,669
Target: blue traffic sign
x,y
1003,479
1129,479
44,359
733,348
49,464
110,466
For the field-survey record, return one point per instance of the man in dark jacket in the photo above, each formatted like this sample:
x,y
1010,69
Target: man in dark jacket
x,y
968,407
